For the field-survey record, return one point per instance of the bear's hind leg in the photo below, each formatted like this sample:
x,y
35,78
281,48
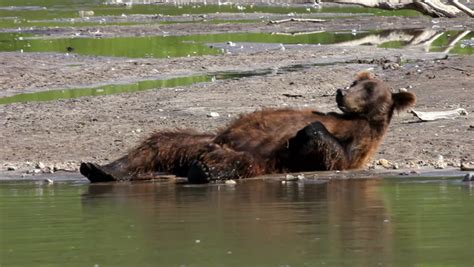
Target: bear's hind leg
x,y
223,164
314,148
115,171
171,152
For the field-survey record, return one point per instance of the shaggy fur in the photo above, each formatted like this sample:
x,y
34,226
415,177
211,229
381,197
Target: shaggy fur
x,y
269,141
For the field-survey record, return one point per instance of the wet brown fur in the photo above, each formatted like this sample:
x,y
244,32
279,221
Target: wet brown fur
x,y
258,143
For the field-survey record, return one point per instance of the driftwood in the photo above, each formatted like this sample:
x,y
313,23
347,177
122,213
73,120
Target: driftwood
x,y
439,115
434,8
462,7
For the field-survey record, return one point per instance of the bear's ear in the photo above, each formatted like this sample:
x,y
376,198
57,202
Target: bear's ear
x,y
365,75
403,100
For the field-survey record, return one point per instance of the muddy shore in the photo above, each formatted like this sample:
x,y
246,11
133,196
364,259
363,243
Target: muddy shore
x,y
58,135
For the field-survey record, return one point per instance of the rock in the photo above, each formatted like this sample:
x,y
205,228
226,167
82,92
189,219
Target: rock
x,y
230,182
34,171
85,13
290,177
40,165
11,168
48,181
440,166
469,177
213,115
384,163
56,167
300,176
47,169
440,163
466,166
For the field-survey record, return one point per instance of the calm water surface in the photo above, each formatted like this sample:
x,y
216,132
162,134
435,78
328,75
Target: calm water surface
x,y
254,223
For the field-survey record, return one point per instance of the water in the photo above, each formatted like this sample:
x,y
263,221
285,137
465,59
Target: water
x,y
104,90
161,46
40,13
254,223
197,45
110,89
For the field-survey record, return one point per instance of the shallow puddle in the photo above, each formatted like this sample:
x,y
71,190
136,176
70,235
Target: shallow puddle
x,y
197,45
253,223
51,13
104,90
110,89
162,46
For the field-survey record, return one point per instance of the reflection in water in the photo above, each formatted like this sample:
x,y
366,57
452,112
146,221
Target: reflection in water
x,y
295,223
198,45
253,223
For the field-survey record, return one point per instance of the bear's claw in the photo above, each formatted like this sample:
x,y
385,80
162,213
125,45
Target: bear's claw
x,y
199,173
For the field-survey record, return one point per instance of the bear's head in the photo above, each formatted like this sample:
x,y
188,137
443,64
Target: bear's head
x,y
372,98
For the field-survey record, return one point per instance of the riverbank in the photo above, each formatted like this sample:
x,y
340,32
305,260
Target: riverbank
x,y
60,134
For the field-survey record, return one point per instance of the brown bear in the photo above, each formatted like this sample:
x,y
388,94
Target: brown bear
x,y
268,141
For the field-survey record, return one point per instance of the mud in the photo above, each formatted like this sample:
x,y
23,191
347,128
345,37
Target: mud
x,y
60,134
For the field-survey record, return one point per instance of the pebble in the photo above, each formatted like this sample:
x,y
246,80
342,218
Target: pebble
x,y
440,163
469,177
385,163
34,171
466,166
213,115
40,165
86,13
230,182
11,168
290,177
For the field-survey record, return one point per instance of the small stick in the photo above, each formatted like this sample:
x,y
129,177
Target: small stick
x,y
296,33
295,19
